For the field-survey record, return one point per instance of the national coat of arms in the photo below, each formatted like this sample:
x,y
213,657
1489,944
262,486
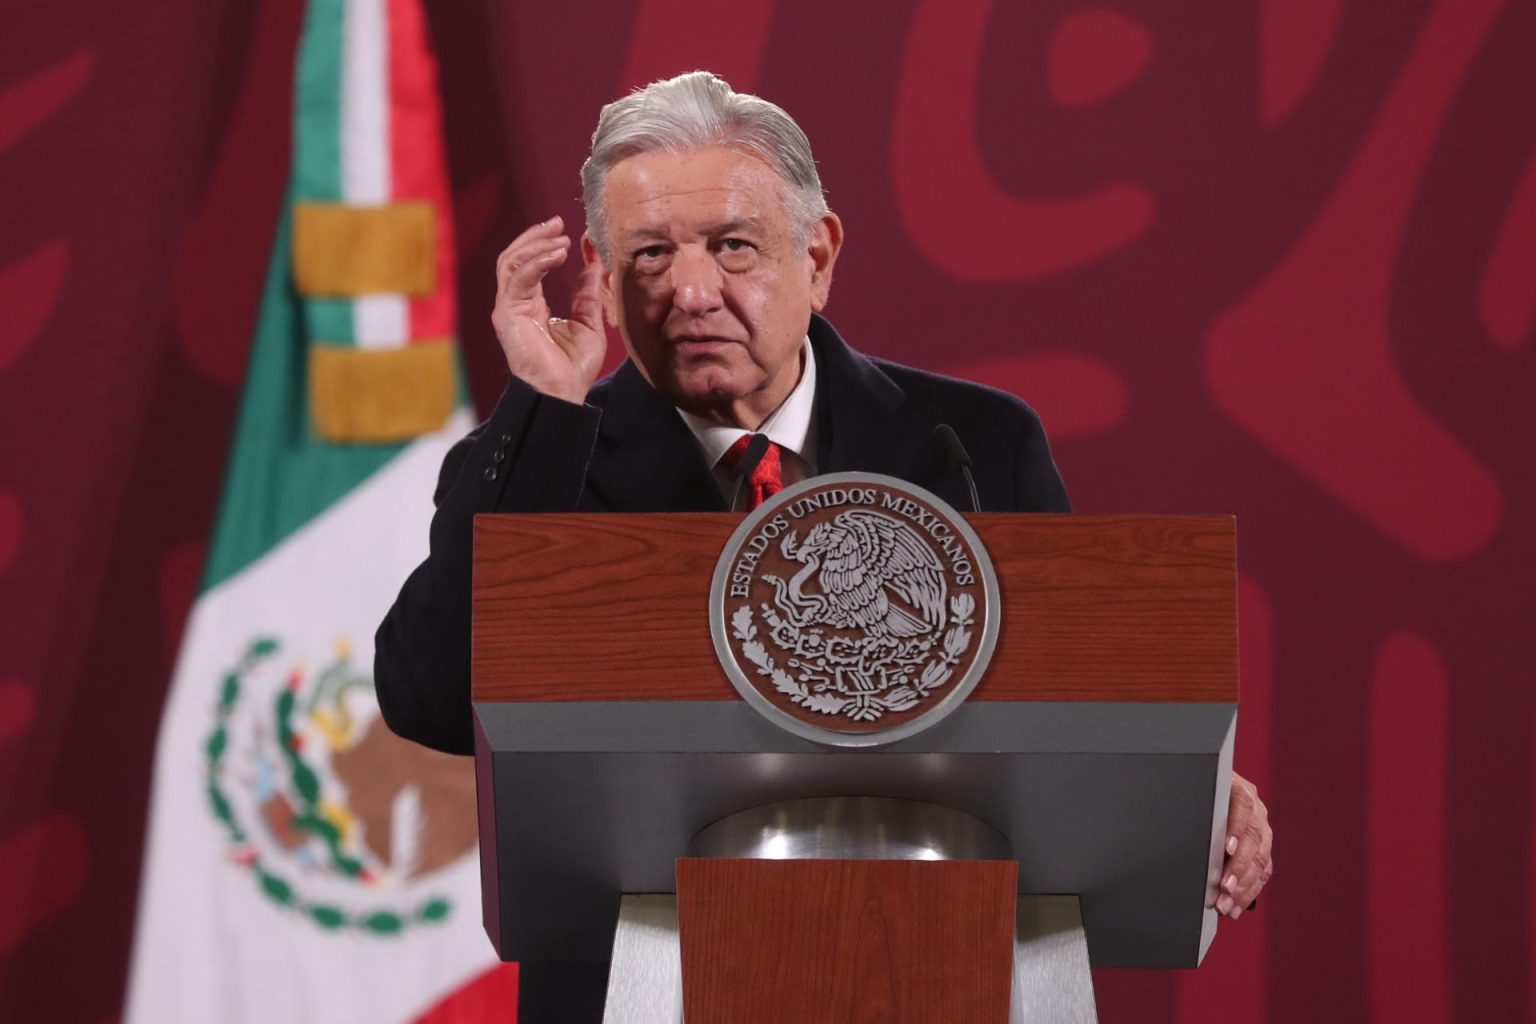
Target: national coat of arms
x,y
334,816
854,609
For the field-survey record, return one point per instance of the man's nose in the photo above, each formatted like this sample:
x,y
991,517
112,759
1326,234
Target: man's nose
x,y
696,281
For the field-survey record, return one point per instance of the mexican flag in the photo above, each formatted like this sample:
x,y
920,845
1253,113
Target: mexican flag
x,y
303,863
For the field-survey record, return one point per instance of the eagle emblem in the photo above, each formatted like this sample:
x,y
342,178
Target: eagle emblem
x,y
850,603
874,573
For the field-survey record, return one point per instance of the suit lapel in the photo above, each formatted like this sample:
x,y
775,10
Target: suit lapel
x,y
647,459
862,423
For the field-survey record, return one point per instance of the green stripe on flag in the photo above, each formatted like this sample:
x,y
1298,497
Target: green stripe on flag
x,y
329,321
317,104
317,143
280,475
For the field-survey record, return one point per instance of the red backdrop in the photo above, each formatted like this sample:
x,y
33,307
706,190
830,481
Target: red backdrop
x,y
1276,258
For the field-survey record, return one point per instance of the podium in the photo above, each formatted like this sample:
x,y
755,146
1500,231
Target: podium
x,y
1078,796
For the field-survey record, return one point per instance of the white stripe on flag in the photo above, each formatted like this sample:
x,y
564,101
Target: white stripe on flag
x,y
381,321
378,321
365,178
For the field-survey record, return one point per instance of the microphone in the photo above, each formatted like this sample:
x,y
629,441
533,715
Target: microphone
x,y
756,449
957,457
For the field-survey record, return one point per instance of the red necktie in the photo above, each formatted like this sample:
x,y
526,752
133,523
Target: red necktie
x,y
767,477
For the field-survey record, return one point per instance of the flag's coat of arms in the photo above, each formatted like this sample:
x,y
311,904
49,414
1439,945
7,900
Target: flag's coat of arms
x,y
335,817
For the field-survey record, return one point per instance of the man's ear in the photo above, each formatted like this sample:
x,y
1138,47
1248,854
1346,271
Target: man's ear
x,y
826,242
591,255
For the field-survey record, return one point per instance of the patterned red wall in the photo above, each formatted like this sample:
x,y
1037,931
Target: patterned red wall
x,y
1276,258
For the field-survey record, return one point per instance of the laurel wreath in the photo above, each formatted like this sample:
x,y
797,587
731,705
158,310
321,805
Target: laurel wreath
x,y
275,887
862,707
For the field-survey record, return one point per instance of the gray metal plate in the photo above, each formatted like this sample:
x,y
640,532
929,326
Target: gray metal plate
x,y
1121,804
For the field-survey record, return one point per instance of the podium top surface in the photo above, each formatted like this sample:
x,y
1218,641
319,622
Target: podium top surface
x,y
615,607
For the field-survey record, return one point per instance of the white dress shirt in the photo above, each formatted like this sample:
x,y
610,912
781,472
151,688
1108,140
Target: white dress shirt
x,y
791,426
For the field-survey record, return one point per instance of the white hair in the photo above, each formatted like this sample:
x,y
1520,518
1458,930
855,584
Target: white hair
x,y
695,111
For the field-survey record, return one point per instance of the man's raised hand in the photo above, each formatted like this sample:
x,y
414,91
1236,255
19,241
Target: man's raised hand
x,y
552,355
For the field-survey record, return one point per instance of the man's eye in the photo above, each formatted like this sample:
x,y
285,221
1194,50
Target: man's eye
x,y
650,252
736,254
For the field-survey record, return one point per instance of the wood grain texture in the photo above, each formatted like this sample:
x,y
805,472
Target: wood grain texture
x,y
616,607
846,941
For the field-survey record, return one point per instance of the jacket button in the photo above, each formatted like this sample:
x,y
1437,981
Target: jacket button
x,y
506,438
498,456
490,473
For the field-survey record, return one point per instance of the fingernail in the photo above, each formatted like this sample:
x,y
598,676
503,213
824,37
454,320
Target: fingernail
x,y
1224,905
1230,884
1231,844
1237,912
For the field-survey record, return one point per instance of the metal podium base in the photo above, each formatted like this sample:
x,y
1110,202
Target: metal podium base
x,y
645,982
1051,983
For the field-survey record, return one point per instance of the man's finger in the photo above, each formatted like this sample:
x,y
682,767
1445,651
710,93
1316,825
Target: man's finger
x,y
514,259
525,268
1251,877
543,229
1240,866
517,251
1246,872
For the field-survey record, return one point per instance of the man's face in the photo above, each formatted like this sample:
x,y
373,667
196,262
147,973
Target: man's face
x,y
705,280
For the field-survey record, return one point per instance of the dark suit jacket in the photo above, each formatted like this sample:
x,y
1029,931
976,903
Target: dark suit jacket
x,y
627,450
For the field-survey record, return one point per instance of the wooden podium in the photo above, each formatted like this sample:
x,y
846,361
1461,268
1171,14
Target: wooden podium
x,y
1090,767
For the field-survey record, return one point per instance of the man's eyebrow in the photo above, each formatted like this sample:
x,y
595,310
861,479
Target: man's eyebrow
x,y
660,233
732,226
644,234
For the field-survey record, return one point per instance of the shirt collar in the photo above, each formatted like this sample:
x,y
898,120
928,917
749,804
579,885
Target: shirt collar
x,y
788,426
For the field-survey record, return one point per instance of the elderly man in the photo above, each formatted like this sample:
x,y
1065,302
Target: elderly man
x,y
710,247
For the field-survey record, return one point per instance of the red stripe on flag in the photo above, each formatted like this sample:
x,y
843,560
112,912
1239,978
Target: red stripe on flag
x,y
1408,958
1233,982
418,169
491,996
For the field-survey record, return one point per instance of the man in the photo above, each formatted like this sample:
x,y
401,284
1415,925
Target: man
x,y
711,249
